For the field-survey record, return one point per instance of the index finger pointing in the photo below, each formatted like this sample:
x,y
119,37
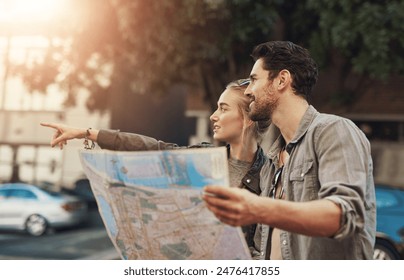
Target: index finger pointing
x,y
51,125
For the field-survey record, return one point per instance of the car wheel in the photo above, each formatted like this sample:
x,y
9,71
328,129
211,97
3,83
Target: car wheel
x,y
36,225
384,250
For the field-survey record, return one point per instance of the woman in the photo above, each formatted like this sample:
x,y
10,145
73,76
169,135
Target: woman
x,y
231,124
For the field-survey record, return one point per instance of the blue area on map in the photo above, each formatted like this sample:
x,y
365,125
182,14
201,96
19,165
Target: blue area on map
x,y
108,215
166,169
197,180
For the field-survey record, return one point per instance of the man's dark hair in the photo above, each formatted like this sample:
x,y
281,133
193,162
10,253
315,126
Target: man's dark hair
x,y
280,55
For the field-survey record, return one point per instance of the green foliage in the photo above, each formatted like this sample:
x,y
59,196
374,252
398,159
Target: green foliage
x,y
367,33
119,47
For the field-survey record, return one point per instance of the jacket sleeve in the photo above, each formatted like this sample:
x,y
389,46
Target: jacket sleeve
x,y
344,175
123,141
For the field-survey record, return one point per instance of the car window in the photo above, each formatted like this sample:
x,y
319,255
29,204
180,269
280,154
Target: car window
x,y
22,194
51,193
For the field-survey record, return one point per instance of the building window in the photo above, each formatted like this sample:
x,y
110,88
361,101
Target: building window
x,y
391,131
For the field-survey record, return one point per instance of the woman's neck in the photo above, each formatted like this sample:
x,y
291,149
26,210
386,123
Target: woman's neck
x,y
243,150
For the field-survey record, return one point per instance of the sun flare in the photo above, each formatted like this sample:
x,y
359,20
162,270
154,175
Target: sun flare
x,y
23,11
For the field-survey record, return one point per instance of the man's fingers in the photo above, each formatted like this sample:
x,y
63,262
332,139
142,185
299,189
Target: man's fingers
x,y
223,192
219,202
223,215
227,204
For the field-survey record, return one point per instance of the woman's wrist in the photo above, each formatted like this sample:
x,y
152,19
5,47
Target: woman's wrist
x,y
89,136
82,133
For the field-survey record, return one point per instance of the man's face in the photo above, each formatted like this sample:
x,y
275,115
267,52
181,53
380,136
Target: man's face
x,y
264,97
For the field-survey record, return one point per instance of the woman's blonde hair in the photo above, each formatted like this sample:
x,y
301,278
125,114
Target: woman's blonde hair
x,y
240,86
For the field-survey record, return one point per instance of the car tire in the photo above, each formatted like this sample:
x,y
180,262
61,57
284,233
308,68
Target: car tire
x,y
384,250
36,225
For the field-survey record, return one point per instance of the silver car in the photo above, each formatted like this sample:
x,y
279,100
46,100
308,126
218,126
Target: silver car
x,y
27,207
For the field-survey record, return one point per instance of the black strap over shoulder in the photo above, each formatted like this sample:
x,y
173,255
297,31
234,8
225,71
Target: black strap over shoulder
x,y
202,145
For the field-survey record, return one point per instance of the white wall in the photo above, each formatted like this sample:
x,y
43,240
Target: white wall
x,y
79,117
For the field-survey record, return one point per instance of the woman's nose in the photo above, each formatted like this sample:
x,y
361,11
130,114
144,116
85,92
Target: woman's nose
x,y
213,117
247,91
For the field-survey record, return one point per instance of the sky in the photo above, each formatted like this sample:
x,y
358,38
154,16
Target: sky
x,y
21,49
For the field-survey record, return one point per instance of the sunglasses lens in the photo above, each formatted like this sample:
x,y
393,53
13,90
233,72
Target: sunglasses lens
x,y
244,82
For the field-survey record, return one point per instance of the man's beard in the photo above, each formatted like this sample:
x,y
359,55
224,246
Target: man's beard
x,y
262,111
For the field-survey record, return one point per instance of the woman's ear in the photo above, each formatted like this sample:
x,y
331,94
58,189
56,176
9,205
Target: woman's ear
x,y
247,122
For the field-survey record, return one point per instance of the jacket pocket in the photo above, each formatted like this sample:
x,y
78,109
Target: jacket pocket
x,y
299,172
302,179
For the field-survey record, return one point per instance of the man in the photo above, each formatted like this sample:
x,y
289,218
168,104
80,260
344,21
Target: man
x,y
318,199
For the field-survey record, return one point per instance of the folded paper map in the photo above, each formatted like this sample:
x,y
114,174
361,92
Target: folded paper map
x,y
151,203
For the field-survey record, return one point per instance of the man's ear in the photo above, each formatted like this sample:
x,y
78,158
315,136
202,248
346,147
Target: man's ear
x,y
284,79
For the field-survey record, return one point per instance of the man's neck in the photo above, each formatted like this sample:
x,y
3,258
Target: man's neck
x,y
288,116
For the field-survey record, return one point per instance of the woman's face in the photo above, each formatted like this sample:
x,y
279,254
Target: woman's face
x,y
227,120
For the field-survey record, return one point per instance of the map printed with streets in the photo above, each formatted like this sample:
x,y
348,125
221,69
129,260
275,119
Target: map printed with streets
x,y
151,203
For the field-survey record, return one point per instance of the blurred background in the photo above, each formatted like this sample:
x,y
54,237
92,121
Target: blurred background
x,y
158,68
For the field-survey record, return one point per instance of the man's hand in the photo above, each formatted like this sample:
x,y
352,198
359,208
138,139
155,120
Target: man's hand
x,y
232,206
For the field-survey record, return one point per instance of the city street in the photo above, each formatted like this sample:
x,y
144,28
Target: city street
x,y
89,242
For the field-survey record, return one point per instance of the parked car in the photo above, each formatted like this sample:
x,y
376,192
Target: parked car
x,y
30,208
390,223
82,190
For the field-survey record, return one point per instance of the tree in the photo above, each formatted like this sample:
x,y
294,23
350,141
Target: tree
x,y
119,48
362,39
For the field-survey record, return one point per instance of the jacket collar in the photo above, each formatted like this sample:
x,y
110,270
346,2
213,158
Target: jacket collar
x,y
259,158
304,125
